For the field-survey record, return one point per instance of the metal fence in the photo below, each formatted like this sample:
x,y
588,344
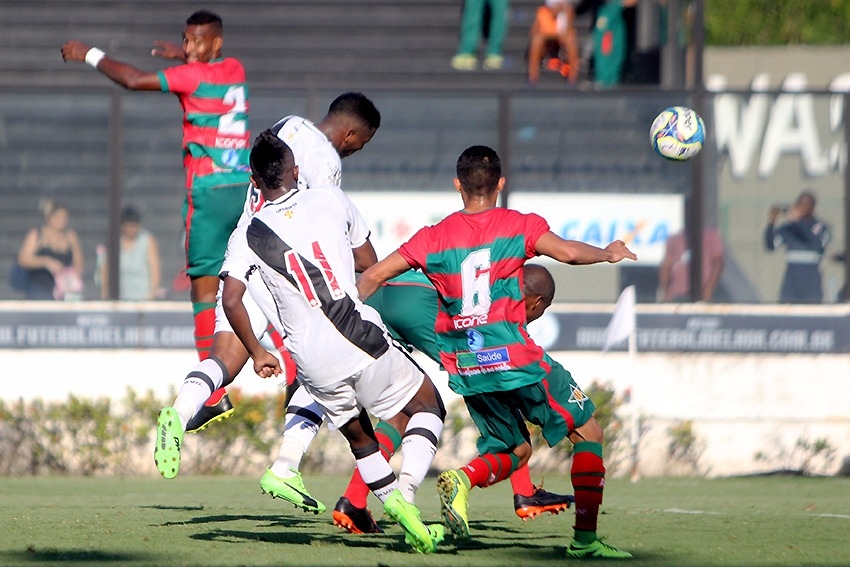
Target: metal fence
x,y
580,158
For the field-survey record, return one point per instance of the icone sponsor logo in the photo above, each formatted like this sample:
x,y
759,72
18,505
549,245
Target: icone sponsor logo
x,y
233,143
473,321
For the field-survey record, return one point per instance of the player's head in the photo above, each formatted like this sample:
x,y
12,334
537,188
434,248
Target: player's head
x,y
806,202
273,169
479,172
202,37
352,120
538,290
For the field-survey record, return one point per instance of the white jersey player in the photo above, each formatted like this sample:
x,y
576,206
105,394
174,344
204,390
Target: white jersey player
x,y
304,244
350,123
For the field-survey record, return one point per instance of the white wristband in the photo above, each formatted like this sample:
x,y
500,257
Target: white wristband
x,y
93,56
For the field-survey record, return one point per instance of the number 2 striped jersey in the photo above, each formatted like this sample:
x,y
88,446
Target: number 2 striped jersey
x,y
475,262
214,97
302,245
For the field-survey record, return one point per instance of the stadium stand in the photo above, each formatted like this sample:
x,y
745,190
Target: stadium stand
x,y
55,117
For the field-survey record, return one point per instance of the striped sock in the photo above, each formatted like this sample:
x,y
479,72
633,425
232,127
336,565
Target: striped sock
x,y
521,481
204,313
588,476
389,440
486,470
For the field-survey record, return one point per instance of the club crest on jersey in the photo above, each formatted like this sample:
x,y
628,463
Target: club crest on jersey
x,y
577,396
230,158
474,340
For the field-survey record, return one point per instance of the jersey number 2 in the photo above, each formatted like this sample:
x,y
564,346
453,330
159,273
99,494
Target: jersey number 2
x,y
229,124
475,279
306,284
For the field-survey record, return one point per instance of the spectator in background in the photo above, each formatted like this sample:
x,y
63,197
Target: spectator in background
x,y
611,40
674,276
553,37
471,30
139,276
52,256
805,238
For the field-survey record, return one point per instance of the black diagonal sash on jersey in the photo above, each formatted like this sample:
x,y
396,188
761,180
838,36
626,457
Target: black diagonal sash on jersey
x,y
271,249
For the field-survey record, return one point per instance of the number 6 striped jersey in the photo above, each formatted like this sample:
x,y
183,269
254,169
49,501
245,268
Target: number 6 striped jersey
x,y
475,262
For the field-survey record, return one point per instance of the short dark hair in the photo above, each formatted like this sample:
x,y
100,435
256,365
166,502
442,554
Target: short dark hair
x,y
270,158
358,105
130,214
479,170
537,280
203,18
807,194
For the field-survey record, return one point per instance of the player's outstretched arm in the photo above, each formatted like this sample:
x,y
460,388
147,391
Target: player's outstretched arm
x,y
123,74
266,364
373,278
579,253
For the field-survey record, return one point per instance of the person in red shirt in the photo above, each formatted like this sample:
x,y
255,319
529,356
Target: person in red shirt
x,y
216,143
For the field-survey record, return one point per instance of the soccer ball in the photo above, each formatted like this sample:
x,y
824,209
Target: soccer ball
x,y
677,133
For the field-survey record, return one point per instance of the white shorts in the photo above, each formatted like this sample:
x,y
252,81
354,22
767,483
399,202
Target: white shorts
x,y
383,388
259,322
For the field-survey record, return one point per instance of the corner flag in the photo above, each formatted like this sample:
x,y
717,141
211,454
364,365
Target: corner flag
x,y
623,321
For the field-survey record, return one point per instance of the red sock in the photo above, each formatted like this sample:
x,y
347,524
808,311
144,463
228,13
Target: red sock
x,y
204,328
389,440
521,481
489,469
588,476
290,369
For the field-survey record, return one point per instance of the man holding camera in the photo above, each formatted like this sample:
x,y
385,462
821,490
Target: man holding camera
x,y
805,238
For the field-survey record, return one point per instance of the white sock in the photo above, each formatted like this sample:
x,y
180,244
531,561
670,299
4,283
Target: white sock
x,y
205,378
375,470
302,422
417,451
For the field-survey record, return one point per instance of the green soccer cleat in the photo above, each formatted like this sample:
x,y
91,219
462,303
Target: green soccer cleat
x,y
292,490
169,437
597,549
454,500
416,534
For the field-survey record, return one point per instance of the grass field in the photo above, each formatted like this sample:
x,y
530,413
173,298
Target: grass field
x,y
210,521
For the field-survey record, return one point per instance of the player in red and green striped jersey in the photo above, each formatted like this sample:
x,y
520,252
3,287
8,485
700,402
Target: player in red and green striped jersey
x,y
474,258
216,144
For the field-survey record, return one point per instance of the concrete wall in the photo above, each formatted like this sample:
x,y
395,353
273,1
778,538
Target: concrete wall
x,y
739,404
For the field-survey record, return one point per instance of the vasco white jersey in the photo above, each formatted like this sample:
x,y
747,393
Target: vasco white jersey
x,y
301,245
319,164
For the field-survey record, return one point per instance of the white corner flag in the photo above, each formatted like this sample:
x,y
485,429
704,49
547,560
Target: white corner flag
x,y
623,322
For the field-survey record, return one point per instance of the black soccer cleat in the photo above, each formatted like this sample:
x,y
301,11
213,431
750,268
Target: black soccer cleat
x,y
354,520
212,411
527,507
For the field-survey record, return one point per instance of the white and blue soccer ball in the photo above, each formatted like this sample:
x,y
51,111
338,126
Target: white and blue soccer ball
x,y
678,133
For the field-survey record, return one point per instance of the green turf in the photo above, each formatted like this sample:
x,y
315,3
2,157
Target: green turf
x,y
210,521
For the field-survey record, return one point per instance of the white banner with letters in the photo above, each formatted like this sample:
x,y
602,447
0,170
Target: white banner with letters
x,y
643,222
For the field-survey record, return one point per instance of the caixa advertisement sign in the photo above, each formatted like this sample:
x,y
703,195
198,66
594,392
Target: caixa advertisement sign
x,y
643,222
